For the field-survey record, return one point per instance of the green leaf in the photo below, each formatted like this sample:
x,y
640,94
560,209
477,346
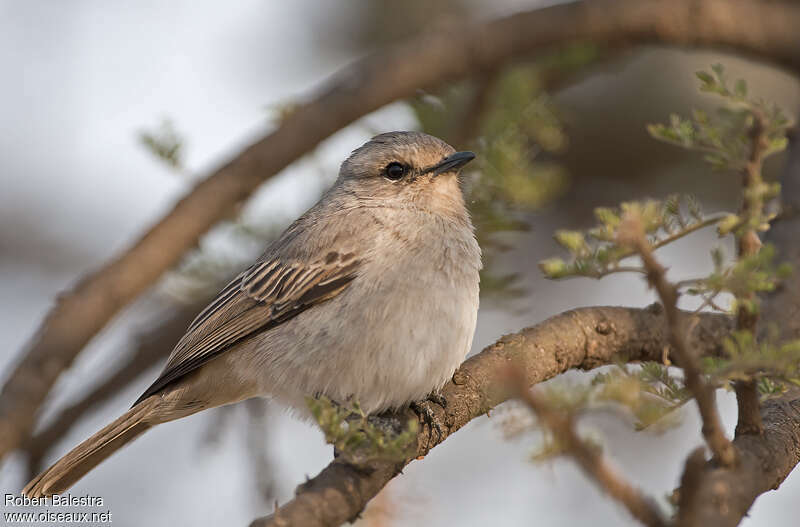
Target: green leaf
x,y
740,88
727,224
164,143
705,77
554,268
573,241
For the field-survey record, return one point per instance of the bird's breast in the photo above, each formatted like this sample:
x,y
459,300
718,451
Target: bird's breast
x,y
395,333
423,302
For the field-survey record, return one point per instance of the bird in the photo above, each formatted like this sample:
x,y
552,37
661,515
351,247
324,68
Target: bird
x,y
370,296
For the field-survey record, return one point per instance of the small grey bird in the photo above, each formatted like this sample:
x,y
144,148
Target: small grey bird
x,y
372,294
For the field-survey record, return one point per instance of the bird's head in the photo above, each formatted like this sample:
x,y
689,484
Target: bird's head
x,y
408,169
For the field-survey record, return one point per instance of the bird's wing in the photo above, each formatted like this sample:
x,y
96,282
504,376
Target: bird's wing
x,y
270,292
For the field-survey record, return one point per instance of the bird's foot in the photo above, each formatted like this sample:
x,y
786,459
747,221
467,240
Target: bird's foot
x,y
439,399
426,414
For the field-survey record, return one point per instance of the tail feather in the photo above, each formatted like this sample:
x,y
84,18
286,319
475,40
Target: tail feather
x,y
84,457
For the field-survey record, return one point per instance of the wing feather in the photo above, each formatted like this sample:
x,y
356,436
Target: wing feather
x,y
262,297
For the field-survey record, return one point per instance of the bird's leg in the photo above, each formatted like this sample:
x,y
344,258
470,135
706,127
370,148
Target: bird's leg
x,y
427,415
439,399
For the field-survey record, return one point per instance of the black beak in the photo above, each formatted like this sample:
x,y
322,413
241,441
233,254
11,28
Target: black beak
x,y
453,162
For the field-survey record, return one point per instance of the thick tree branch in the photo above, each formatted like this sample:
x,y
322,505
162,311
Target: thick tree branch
x,y
583,338
425,61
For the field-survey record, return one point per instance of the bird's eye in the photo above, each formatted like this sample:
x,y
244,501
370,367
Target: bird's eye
x,y
394,171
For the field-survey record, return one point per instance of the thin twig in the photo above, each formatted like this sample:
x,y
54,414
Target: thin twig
x,y
708,301
589,457
749,244
469,126
614,270
709,220
632,233
722,496
680,284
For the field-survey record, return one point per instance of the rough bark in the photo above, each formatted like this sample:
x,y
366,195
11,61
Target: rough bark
x,y
720,496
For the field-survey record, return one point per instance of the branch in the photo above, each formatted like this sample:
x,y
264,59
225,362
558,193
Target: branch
x,y
632,233
590,458
423,62
587,338
151,347
580,339
712,495
719,496
468,126
747,399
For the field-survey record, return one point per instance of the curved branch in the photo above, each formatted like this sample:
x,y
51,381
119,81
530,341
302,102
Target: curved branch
x,y
425,61
711,495
720,496
149,349
583,338
591,459
704,393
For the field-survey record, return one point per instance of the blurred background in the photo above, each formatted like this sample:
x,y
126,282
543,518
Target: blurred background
x,y
111,113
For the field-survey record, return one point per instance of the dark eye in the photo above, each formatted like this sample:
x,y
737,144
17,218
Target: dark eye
x,y
394,171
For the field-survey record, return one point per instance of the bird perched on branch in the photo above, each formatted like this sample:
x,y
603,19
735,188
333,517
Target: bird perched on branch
x,y
371,295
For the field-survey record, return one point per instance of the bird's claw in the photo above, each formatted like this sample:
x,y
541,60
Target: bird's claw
x,y
438,398
426,414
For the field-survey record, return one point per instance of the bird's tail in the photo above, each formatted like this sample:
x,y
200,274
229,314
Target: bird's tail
x,y
84,457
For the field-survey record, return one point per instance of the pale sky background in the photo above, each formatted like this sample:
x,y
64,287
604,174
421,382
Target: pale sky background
x,y
80,79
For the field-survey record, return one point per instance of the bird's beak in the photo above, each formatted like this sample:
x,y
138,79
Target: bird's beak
x,y
453,162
